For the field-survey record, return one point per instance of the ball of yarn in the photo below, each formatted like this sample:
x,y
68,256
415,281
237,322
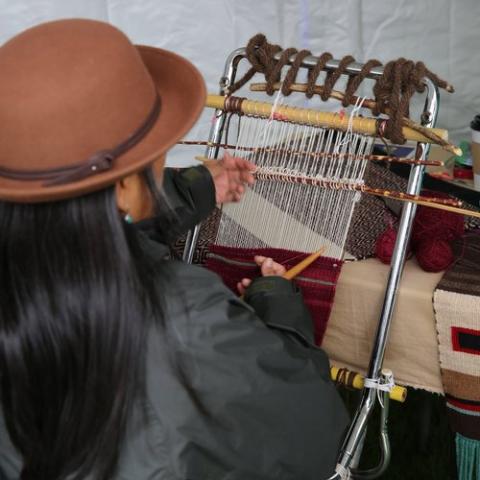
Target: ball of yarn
x,y
434,255
385,244
431,223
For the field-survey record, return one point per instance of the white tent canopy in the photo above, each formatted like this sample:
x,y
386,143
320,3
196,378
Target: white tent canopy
x,y
442,33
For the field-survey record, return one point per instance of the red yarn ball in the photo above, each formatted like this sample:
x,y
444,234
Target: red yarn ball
x,y
385,244
434,255
431,223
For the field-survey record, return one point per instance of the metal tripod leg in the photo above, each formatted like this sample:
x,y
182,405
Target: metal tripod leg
x,y
385,452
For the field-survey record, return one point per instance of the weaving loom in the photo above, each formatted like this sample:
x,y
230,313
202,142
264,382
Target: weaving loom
x,y
310,168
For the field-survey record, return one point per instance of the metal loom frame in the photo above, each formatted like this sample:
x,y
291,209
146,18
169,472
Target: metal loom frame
x,y
353,443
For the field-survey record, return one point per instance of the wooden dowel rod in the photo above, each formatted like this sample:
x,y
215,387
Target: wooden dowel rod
x,y
266,174
397,393
366,126
318,89
300,266
400,196
351,156
448,208
367,103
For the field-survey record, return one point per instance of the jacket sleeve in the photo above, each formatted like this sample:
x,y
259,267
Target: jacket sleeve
x,y
279,303
272,410
190,195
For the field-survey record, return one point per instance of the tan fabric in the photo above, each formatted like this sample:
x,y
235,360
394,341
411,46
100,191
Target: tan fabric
x,y
412,351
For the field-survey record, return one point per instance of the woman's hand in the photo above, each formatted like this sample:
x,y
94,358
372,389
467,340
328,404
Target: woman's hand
x,y
230,174
268,268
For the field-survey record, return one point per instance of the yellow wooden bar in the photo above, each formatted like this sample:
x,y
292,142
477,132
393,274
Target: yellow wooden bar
x,y
367,126
398,393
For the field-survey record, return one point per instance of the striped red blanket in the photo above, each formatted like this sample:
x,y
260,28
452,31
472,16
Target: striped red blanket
x,y
317,281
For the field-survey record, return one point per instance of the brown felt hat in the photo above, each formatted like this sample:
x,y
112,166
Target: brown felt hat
x,y
81,107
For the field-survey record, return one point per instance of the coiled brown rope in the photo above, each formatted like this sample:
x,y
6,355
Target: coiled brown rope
x,y
393,90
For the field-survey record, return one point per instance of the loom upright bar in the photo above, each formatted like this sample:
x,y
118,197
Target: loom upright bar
x,y
358,426
214,137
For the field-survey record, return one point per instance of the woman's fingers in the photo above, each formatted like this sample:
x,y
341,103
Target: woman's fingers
x,y
268,267
243,285
240,168
259,259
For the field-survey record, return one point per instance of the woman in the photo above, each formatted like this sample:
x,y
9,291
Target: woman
x,y
115,362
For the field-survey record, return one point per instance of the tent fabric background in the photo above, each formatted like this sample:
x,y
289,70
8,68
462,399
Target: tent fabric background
x,y
442,33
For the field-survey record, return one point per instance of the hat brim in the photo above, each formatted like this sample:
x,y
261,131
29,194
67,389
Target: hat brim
x,y
182,92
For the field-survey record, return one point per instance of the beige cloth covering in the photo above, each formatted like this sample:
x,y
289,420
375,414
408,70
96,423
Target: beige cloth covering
x,y
412,349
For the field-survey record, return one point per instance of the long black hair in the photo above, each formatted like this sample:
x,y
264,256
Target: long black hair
x,y
76,302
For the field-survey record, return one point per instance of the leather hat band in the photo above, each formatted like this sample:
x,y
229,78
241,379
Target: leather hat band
x,y
100,161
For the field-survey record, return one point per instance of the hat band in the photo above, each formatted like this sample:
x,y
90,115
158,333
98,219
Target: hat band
x,y
99,162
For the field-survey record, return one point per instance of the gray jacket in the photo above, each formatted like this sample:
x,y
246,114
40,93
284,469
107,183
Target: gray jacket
x,y
263,407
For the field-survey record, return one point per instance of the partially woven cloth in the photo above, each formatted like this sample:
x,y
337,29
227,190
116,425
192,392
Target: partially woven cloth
x,y
317,281
370,219
457,313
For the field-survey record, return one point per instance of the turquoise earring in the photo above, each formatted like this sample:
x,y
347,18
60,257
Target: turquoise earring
x,y
128,218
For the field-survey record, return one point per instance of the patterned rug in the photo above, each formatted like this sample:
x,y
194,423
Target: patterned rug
x,y
457,312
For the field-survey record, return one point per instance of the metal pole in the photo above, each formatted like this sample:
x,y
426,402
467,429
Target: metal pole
x,y
367,403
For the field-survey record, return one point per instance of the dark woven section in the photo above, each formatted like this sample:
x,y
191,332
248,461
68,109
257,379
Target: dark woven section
x,y
471,223
371,216
464,275
317,282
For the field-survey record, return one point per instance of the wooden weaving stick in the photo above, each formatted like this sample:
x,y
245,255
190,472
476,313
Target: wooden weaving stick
x,y
300,266
397,393
440,203
293,152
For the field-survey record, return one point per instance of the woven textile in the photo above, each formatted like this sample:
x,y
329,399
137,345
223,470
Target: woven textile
x,y
457,313
371,217
317,281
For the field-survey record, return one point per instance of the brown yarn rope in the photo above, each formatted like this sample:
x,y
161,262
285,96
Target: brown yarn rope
x,y
393,90
314,73
293,71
